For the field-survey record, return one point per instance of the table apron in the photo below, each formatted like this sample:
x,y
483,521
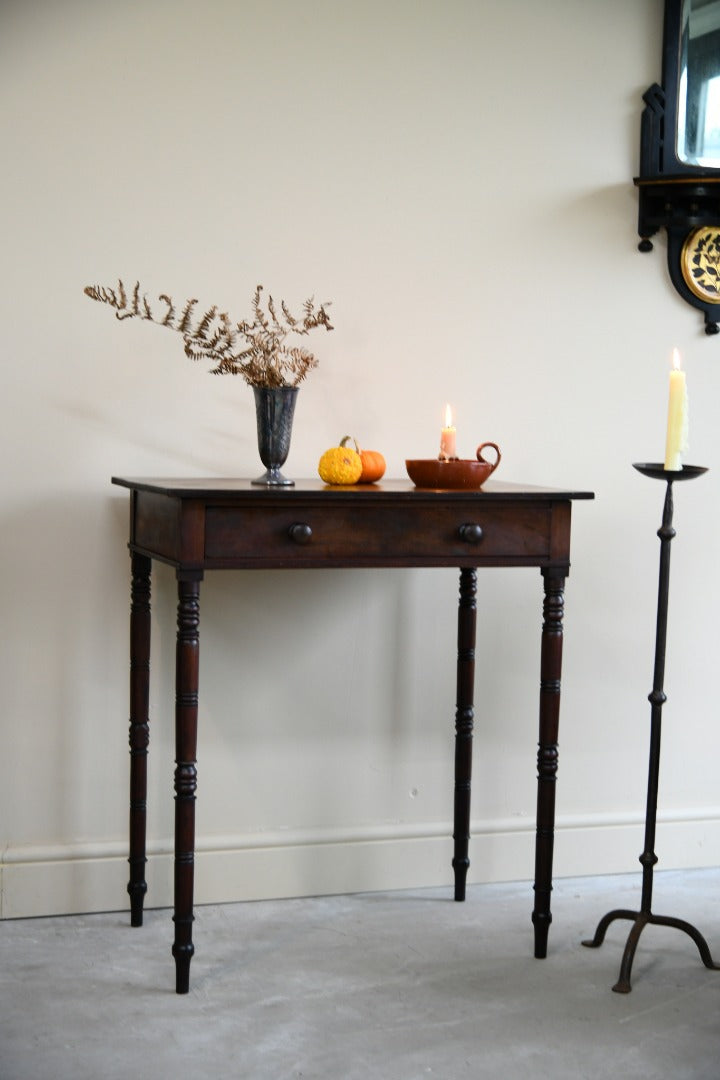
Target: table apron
x,y
209,536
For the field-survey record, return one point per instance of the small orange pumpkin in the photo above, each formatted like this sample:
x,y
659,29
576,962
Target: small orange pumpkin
x,y
373,463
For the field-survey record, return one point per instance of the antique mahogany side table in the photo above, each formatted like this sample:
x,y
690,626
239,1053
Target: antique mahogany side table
x,y
198,525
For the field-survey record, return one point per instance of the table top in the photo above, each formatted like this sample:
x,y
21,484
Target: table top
x,y
232,523
386,490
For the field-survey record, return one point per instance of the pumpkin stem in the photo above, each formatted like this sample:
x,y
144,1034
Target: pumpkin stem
x,y
348,438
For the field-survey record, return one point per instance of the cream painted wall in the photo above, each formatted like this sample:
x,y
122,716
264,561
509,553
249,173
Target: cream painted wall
x,y
457,178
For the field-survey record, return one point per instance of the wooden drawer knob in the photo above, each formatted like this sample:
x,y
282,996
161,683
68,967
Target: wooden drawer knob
x,y
300,532
470,533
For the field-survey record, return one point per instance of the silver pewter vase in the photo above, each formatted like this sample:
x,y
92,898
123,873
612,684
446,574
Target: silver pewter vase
x,y
274,410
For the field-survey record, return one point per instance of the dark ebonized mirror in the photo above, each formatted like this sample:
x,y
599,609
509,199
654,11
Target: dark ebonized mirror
x,y
679,179
698,97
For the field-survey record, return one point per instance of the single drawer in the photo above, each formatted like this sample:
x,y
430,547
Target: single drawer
x,y
300,535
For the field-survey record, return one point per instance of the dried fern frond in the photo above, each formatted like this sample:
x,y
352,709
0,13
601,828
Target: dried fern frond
x,y
185,323
202,329
106,295
255,350
167,321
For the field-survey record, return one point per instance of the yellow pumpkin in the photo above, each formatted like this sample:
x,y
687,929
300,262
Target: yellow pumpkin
x,y
340,465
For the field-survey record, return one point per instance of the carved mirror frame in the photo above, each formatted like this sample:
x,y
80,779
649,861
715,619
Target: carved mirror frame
x,y
682,198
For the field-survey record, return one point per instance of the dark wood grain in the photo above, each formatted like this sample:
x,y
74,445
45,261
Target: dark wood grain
x,y
139,730
197,525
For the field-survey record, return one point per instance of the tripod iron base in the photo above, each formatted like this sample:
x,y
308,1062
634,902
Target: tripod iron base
x,y
640,920
648,859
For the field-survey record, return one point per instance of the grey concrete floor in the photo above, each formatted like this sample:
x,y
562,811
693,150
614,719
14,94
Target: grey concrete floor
x,y
391,986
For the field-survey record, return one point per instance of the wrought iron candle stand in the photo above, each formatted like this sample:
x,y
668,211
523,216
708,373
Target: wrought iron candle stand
x,y
657,698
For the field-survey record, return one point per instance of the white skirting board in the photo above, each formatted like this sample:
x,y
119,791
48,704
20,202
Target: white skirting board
x,y
71,879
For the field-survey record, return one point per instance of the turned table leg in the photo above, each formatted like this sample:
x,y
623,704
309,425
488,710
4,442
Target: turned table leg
x,y
186,712
464,726
550,673
139,730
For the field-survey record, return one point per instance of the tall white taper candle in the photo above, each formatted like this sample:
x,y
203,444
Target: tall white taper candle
x,y
676,443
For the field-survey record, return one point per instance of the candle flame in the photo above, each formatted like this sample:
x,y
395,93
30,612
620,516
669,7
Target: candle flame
x,y
676,360
448,416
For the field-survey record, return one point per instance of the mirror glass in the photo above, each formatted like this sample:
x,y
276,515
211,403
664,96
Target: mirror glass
x,y
698,126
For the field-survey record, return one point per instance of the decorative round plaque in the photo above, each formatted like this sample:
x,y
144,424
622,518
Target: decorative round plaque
x,y
700,263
